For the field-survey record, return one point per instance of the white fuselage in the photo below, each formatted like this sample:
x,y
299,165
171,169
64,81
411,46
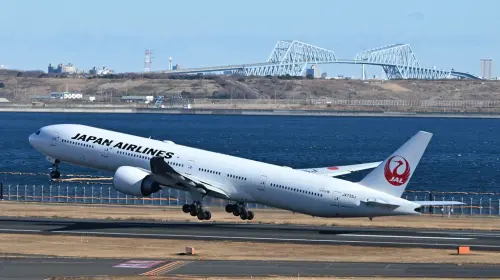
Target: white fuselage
x,y
242,179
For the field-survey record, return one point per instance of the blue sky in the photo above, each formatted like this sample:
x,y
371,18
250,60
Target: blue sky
x,y
445,33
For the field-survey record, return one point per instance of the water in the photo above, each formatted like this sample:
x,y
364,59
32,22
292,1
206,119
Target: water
x,y
462,156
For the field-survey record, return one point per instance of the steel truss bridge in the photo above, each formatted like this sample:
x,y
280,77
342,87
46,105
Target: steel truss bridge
x,y
293,57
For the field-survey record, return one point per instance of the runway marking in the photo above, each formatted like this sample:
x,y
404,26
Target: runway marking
x,y
165,268
243,238
138,264
403,236
464,233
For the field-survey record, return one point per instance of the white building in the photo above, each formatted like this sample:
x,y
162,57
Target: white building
x,y
73,95
66,95
70,69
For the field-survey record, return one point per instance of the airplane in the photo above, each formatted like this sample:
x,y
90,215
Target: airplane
x,y
143,166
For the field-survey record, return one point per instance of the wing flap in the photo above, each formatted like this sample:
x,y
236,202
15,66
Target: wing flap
x,y
334,171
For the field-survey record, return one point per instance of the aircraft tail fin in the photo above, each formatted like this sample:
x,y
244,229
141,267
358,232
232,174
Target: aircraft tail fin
x,y
394,173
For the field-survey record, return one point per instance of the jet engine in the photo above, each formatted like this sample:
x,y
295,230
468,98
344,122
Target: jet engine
x,y
134,181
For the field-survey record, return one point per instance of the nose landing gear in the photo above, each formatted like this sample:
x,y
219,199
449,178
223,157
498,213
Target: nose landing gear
x,y
55,174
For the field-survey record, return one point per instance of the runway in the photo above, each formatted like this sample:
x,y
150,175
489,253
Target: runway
x,y
42,268
422,238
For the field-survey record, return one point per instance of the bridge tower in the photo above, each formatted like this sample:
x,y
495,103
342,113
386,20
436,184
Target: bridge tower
x,y
399,62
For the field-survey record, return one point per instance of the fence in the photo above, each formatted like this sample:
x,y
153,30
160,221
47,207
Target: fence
x,y
475,203
357,102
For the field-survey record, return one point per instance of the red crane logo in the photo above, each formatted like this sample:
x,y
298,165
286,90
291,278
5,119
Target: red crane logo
x,y
392,175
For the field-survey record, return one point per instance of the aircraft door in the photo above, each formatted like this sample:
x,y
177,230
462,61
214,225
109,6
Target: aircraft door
x,y
190,167
262,183
105,152
54,139
335,199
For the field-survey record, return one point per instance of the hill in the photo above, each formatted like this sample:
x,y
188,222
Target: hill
x,y
18,86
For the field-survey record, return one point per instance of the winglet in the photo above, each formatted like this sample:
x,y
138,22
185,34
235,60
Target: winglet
x,y
394,173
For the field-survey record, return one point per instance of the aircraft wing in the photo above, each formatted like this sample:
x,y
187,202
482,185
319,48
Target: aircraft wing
x,y
166,175
334,171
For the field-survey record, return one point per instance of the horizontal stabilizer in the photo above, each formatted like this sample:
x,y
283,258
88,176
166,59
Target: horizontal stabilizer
x,y
379,202
438,203
334,171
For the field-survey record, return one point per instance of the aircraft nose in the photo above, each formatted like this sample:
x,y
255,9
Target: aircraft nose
x,y
31,139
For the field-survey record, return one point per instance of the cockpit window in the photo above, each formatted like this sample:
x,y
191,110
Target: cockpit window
x,y
38,132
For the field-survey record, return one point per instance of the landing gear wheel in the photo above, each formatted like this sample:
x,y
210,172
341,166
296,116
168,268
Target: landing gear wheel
x,y
201,216
55,174
244,215
229,208
236,212
208,215
186,208
250,215
192,211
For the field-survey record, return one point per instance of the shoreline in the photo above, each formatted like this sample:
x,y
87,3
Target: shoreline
x,y
251,112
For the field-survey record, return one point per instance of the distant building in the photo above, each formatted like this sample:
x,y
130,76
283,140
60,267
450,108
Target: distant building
x,y
486,68
137,99
66,95
314,71
52,69
73,95
61,68
57,95
100,71
70,69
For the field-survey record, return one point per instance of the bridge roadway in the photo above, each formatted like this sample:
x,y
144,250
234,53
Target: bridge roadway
x,y
388,237
263,64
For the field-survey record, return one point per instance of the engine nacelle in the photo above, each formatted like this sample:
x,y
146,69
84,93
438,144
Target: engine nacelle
x,y
134,181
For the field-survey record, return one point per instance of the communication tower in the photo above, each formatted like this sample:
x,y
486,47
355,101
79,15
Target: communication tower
x,y
147,61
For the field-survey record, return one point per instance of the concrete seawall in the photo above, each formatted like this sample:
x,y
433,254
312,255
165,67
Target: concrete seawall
x,y
263,112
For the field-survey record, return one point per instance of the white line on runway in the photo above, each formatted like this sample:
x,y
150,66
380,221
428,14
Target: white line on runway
x,y
20,230
463,233
403,236
243,238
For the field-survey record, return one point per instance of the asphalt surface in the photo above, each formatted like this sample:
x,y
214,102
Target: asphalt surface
x,y
43,268
423,238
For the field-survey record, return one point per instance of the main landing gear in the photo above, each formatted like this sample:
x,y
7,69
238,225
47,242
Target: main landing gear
x,y
55,174
196,209
241,210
